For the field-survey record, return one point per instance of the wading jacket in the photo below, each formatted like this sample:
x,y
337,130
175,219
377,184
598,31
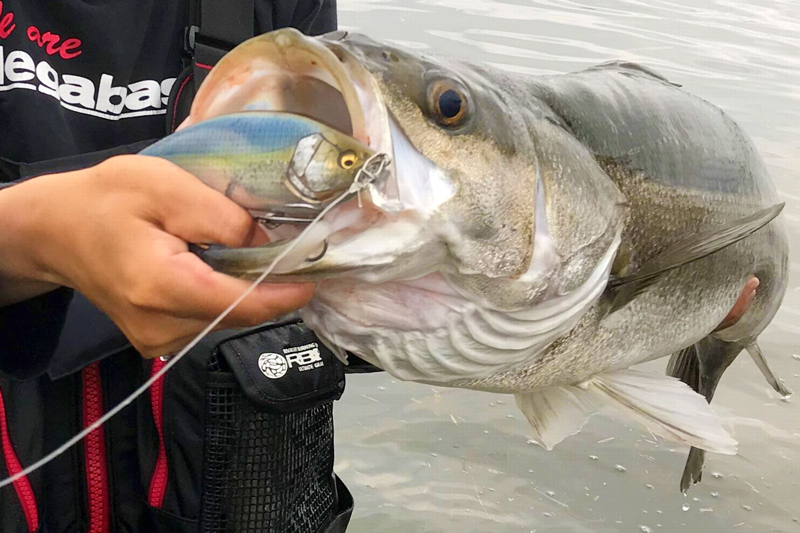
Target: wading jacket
x,y
219,444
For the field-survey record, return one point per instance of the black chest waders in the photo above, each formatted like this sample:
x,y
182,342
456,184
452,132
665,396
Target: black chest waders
x,y
238,437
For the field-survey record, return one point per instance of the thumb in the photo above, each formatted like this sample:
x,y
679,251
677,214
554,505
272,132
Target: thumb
x,y
192,289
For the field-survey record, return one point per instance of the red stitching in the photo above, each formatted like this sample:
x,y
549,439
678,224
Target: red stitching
x,y
204,66
158,483
178,99
21,486
94,451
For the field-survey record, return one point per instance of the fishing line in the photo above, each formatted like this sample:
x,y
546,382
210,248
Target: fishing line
x,y
367,174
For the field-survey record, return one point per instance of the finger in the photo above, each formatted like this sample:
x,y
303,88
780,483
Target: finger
x,y
189,288
741,305
155,334
191,210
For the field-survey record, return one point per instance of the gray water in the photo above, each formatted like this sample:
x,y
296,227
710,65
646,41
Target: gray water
x,y
425,459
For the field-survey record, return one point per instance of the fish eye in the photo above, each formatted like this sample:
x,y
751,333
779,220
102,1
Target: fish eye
x,y
448,103
348,159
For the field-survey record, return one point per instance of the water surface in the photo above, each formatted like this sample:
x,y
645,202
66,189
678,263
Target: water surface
x,y
426,459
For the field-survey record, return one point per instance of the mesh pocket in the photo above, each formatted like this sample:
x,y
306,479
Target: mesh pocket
x,y
265,472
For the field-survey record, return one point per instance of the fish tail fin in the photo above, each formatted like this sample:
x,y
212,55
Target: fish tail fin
x,y
761,362
685,365
701,367
693,471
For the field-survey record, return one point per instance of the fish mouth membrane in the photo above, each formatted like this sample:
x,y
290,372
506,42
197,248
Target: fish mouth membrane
x,y
287,71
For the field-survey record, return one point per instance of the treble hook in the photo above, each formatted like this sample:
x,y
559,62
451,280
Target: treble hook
x,y
380,161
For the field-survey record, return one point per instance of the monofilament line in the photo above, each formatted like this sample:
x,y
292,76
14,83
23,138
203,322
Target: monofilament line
x,y
358,184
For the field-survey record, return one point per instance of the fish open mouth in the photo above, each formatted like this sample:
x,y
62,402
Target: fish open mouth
x,y
320,78
287,71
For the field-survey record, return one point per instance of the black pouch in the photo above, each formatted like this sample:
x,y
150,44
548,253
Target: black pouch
x,y
268,457
283,367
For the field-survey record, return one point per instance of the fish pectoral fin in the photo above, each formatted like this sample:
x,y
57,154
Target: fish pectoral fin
x,y
761,362
666,406
688,250
556,413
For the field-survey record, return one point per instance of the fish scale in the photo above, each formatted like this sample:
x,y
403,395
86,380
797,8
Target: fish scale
x,y
521,207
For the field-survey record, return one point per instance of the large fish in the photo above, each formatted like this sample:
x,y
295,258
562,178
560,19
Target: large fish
x,y
535,236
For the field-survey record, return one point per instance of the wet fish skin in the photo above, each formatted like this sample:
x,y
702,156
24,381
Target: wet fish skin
x,y
510,140
680,164
701,170
554,185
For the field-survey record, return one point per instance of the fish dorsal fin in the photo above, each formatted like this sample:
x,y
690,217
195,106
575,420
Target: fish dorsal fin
x,y
688,250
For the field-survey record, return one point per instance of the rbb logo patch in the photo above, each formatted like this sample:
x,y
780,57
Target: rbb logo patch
x,y
275,365
303,358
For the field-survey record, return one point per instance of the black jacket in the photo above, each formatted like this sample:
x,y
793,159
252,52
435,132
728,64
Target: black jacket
x,y
219,444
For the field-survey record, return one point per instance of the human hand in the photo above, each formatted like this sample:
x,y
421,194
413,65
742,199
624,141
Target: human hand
x,y
118,233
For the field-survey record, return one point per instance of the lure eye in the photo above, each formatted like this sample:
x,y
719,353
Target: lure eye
x,y
348,159
448,104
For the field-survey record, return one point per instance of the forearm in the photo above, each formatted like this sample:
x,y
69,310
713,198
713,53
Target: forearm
x,y
13,290
21,273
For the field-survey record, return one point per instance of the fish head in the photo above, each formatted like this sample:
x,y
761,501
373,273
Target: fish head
x,y
472,185
488,236
461,154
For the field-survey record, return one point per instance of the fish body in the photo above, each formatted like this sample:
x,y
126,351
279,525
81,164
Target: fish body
x,y
682,165
505,248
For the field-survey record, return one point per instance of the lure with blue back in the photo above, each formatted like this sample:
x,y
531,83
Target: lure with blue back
x,y
271,163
